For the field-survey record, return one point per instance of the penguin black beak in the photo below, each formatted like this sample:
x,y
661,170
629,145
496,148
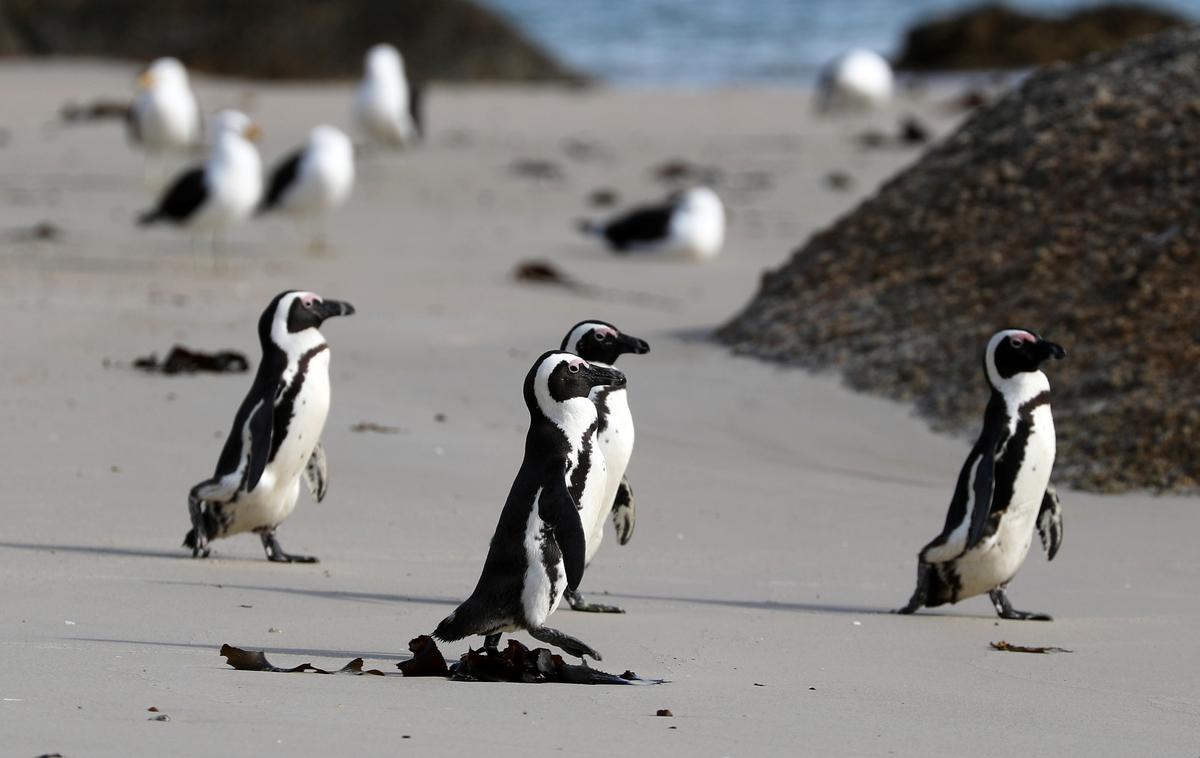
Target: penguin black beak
x,y
598,376
1049,349
628,344
330,308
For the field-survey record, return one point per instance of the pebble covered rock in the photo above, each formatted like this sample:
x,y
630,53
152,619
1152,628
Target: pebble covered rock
x,y
1072,207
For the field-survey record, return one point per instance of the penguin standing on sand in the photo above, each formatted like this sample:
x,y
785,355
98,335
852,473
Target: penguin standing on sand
x,y
276,433
1003,490
601,343
539,549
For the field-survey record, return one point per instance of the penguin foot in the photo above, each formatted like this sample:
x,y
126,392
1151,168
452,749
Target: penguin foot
x,y
920,594
276,554
1005,610
575,599
572,646
491,643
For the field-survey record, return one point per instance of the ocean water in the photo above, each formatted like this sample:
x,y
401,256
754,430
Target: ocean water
x,y
705,43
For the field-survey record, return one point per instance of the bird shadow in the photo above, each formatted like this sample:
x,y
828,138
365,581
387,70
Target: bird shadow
x,y
214,647
771,605
98,550
365,597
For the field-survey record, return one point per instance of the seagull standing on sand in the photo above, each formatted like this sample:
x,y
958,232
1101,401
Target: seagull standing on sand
x,y
222,192
857,80
691,223
313,180
383,106
164,117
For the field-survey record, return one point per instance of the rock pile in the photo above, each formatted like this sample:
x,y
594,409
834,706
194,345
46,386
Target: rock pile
x,y
1071,207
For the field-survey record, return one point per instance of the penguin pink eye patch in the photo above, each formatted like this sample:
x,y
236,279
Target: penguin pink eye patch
x,y
1022,337
308,300
604,331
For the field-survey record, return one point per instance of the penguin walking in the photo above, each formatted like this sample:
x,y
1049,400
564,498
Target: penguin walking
x,y
314,180
275,438
600,343
1003,491
222,192
539,548
690,223
384,107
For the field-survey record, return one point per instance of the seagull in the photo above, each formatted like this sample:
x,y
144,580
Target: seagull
x,y
383,107
691,223
164,117
856,80
313,180
222,192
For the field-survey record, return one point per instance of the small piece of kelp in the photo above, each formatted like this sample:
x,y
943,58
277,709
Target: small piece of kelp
x,y
96,110
427,660
371,426
542,272
520,664
256,660
1010,648
182,360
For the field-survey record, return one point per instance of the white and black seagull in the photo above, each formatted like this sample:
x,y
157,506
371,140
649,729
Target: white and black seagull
x,y
222,192
690,223
164,117
385,108
313,180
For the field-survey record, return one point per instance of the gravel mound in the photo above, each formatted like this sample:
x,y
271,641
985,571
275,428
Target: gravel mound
x,y
443,40
1071,207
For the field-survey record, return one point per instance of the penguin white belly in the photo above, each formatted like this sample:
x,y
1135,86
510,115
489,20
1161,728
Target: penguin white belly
x,y
274,499
997,559
616,445
593,508
545,574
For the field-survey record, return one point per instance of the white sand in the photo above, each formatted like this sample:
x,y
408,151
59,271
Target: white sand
x,y
779,513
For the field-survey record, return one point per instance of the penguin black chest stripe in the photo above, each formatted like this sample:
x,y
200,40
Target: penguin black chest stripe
x,y
285,407
1013,456
602,412
579,472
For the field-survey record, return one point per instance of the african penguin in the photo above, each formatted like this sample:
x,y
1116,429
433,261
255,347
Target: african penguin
x,y
1003,491
164,116
539,548
690,223
222,192
313,180
276,433
856,80
600,343
383,107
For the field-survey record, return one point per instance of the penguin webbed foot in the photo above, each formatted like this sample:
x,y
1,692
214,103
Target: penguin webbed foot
x,y
276,553
577,602
566,642
1005,610
491,644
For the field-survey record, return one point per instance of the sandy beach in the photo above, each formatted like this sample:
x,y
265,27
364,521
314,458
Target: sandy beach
x,y
779,513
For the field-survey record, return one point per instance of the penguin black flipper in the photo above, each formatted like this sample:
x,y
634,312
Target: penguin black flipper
x,y
624,512
989,447
1050,523
261,428
557,508
317,474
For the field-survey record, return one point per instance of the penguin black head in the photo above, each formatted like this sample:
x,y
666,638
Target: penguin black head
x,y
600,341
292,313
1011,352
559,383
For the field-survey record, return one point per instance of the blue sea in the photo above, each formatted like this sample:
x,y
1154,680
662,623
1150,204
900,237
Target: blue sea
x,y
706,43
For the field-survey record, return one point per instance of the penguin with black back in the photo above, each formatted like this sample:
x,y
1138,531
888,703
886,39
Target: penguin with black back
x,y
538,549
601,343
1003,492
276,433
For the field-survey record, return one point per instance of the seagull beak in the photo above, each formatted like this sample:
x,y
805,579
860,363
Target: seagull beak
x,y
145,80
253,132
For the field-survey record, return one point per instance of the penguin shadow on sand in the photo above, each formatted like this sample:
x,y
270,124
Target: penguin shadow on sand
x,y
209,647
123,552
360,597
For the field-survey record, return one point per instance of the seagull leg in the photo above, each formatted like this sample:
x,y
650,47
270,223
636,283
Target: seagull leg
x,y
275,551
1005,610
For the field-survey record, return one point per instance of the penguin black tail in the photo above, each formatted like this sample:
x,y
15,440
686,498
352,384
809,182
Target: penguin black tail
x,y
466,620
146,218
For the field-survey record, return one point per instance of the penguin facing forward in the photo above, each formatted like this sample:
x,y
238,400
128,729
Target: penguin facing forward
x,y
275,438
600,343
539,547
1003,491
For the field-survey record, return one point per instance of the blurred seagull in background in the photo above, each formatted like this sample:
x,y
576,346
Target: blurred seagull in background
x,y
222,192
164,117
384,108
690,222
856,80
313,180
